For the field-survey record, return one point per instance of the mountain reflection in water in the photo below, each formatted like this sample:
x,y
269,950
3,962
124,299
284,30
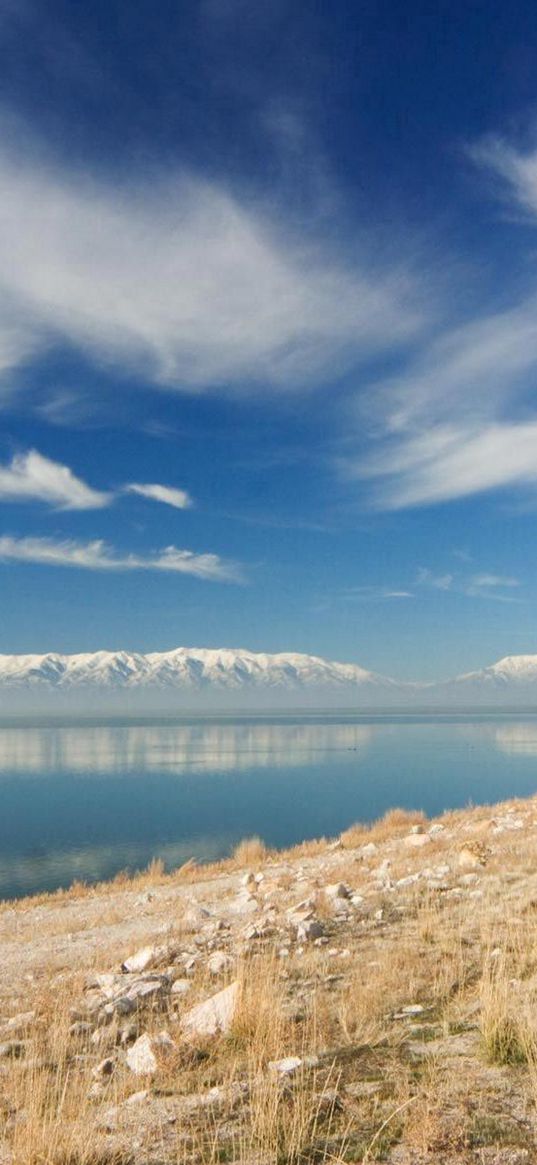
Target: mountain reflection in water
x,y
205,747
85,801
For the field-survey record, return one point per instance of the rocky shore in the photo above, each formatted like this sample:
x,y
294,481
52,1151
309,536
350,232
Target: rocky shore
x,y
368,998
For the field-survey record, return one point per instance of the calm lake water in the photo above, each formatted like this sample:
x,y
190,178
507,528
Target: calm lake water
x,y
86,801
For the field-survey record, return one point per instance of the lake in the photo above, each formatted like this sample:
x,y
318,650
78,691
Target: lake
x,y
86,800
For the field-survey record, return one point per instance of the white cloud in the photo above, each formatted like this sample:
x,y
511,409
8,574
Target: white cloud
x,y
477,586
30,477
516,169
447,462
461,418
361,593
184,284
178,498
97,555
441,582
494,580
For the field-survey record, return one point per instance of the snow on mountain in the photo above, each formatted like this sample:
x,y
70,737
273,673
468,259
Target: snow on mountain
x,y
185,667
228,670
513,671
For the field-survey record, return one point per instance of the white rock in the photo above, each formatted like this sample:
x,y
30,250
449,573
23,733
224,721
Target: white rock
x,y
408,1011
309,930
214,1015
181,986
219,963
104,1069
142,959
137,1097
141,1058
287,1066
410,880
368,850
337,890
416,840
252,932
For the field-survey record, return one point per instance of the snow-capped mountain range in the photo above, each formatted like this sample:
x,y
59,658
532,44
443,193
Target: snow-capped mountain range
x,y
203,671
184,667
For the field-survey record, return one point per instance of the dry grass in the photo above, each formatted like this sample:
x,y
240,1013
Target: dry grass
x,y
395,823
252,851
450,1081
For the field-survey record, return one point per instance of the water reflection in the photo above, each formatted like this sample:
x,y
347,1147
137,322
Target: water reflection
x,y
517,739
84,802
175,748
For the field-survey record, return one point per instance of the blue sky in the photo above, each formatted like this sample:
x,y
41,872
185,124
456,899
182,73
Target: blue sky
x,y
268,329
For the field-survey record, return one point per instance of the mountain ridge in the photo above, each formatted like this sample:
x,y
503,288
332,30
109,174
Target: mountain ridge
x,y
181,667
235,669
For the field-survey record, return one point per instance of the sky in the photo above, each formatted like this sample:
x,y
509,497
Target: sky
x,y
268,329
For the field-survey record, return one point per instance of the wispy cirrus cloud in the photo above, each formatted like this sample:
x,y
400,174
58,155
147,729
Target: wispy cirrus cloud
x,y
97,555
494,580
168,495
460,418
514,168
32,477
185,282
440,582
364,593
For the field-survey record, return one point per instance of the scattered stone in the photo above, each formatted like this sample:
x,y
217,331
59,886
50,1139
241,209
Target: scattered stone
x,y
13,1049
137,1097
252,932
367,851
337,890
181,986
214,1015
309,930
17,1023
80,1028
219,963
142,1057
416,840
104,1069
144,958
410,1010
286,1067
291,1064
